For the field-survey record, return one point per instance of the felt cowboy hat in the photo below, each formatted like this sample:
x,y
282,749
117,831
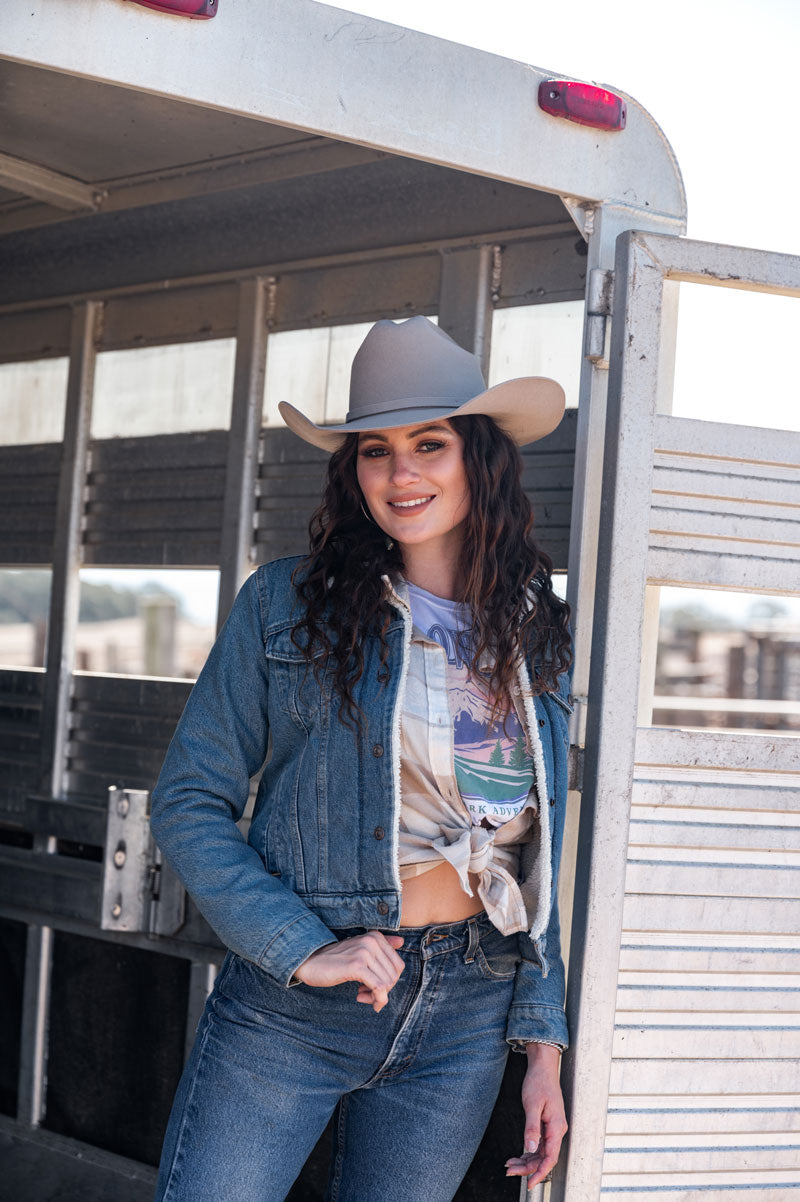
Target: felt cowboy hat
x,y
410,371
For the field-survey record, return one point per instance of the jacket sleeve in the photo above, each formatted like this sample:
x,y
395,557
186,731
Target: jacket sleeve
x,y
537,1012
202,790
537,1006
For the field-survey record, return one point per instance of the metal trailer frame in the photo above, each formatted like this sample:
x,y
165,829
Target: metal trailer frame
x,y
378,90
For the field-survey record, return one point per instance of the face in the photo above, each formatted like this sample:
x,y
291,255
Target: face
x,y
414,482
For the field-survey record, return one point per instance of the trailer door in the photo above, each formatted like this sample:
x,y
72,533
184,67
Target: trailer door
x,y
684,992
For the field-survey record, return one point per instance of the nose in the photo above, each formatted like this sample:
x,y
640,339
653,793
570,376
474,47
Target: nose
x,y
403,469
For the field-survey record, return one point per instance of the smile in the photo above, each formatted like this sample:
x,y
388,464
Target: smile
x,y
415,504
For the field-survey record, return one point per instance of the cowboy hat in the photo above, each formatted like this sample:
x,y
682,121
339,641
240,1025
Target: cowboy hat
x,y
411,371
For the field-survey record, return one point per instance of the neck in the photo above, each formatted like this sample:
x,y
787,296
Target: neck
x,y
436,569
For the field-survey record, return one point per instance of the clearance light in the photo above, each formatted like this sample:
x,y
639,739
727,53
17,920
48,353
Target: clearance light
x,y
583,103
199,10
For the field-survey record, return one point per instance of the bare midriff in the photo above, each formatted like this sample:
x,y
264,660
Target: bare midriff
x,y
437,896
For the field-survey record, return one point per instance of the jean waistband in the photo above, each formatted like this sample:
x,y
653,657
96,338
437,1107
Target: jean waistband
x,y
445,936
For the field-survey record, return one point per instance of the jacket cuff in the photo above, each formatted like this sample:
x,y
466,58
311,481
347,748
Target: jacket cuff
x,y
537,1024
293,944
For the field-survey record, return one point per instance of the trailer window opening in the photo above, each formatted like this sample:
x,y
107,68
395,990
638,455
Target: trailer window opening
x,y
33,399
146,621
539,340
176,388
727,660
735,357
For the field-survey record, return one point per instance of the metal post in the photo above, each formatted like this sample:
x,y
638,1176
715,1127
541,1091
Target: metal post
x,y
35,1022
64,591
203,973
63,617
465,299
242,462
611,730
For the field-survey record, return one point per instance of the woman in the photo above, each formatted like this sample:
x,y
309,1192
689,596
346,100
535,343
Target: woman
x,y
412,674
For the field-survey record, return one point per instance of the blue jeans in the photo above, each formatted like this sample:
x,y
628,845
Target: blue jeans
x,y
413,1086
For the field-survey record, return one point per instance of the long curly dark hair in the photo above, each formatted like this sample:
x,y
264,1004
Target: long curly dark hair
x,y
504,578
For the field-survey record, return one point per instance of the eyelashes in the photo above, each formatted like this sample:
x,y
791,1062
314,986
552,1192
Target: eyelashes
x,y
428,447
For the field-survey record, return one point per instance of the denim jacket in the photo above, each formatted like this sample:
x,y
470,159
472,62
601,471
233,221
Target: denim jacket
x,y
321,852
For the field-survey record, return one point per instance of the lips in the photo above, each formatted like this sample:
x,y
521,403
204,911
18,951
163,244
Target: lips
x,y
410,505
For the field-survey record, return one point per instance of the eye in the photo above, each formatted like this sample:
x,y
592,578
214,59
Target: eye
x,y
372,452
431,444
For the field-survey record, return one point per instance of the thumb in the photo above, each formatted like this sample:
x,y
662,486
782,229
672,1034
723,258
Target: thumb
x,y
532,1134
396,941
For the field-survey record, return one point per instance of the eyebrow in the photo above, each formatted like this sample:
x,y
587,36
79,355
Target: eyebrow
x,y
439,426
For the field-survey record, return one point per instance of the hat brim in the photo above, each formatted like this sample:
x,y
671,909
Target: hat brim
x,y
527,409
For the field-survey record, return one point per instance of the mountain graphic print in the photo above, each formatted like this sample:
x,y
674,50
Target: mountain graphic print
x,y
494,769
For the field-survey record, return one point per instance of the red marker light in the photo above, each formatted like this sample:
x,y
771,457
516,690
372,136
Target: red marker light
x,y
199,10
582,103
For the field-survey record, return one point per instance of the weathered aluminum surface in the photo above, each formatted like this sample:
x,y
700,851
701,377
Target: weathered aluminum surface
x,y
33,1037
63,613
726,506
53,187
684,975
28,496
372,83
139,892
465,298
240,471
539,264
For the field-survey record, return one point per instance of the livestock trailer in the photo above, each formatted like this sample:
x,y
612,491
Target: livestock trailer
x,y
243,194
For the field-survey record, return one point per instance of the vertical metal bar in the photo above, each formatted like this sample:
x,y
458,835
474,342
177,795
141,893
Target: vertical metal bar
x,y
63,616
465,299
612,716
242,462
201,981
35,1022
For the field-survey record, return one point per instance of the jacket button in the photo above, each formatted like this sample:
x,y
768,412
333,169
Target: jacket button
x,y
383,907
377,750
379,832
383,675
541,721
552,801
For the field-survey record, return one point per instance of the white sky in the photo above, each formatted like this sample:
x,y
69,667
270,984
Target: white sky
x,y
720,78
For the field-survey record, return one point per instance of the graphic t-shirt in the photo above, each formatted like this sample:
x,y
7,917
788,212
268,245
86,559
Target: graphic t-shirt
x,y
494,769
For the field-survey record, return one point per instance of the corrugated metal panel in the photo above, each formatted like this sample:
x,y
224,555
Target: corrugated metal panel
x,y
155,500
28,494
20,718
119,729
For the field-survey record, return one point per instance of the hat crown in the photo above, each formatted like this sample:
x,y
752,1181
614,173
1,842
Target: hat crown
x,y
411,361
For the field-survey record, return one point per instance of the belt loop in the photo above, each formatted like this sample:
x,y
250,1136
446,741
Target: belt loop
x,y
474,940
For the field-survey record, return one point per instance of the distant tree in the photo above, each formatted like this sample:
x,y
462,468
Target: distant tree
x,y
25,597
519,754
497,759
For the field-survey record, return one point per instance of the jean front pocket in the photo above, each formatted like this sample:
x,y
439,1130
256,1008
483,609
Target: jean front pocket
x,y
497,955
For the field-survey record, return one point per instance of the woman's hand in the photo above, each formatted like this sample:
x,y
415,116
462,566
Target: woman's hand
x,y
370,959
545,1121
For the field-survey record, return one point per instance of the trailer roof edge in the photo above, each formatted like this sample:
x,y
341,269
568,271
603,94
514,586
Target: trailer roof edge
x,y
311,67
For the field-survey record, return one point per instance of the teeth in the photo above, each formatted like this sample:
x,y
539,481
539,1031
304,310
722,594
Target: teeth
x,y
410,504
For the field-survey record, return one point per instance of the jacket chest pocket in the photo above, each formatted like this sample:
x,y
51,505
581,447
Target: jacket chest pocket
x,y
303,696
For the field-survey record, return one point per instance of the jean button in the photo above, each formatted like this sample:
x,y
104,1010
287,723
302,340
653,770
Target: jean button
x,y
383,907
541,721
379,832
377,750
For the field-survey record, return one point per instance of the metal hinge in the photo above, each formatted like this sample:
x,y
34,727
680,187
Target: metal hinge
x,y
140,892
599,299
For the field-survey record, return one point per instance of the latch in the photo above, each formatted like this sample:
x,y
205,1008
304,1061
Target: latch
x,y
140,892
599,299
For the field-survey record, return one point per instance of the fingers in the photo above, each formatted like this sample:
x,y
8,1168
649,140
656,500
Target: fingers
x,y
377,967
